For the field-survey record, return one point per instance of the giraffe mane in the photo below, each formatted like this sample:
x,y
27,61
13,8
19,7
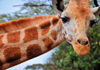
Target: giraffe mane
x,y
23,23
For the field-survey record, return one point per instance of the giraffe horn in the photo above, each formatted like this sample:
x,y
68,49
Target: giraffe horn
x,y
96,3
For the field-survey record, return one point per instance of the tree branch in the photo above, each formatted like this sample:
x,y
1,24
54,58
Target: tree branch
x,y
33,5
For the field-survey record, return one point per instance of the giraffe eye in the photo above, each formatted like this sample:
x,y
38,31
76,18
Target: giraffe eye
x,y
65,19
92,22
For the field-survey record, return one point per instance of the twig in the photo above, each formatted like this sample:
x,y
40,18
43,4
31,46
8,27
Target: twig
x,y
34,5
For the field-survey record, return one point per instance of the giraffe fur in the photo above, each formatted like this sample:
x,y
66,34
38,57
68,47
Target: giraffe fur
x,y
24,39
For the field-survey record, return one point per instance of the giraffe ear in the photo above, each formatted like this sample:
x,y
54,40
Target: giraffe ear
x,y
58,6
96,11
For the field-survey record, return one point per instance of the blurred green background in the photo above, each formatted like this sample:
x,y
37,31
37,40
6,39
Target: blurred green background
x,y
64,57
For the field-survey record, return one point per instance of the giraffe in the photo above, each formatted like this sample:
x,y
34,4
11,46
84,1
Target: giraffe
x,y
24,39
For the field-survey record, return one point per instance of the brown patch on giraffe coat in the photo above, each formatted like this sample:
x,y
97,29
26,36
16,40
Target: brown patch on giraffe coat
x,y
54,34
48,43
45,26
59,23
83,11
55,21
33,51
12,54
15,62
1,44
45,30
13,37
31,34
1,63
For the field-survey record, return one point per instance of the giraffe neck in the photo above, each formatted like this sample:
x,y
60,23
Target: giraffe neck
x,y
21,45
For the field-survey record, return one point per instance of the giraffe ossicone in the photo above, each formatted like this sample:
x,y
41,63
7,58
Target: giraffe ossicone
x,y
25,39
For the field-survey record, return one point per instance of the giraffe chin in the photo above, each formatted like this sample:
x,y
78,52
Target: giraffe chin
x,y
81,50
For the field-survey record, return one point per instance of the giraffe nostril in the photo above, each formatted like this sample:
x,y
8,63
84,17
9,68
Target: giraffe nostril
x,y
86,43
82,42
79,41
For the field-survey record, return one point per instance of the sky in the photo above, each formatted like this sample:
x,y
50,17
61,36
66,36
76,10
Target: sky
x,y
6,6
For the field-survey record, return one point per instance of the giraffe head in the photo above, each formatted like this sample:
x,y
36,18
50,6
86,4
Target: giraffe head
x,y
77,18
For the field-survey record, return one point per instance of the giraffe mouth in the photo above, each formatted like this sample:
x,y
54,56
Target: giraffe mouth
x,y
81,50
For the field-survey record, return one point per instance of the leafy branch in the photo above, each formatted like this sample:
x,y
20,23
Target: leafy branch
x,y
33,5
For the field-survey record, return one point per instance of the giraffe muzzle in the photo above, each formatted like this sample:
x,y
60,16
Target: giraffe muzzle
x,y
81,47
